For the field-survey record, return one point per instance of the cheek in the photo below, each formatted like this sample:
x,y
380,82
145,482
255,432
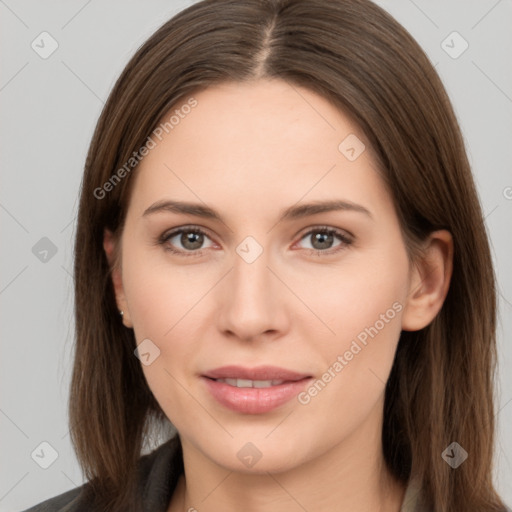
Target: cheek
x,y
363,292
165,309
159,294
362,303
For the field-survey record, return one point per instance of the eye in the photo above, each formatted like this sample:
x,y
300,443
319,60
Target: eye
x,y
186,241
323,239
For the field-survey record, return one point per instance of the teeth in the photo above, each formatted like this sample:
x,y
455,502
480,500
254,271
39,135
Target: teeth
x,y
246,383
263,383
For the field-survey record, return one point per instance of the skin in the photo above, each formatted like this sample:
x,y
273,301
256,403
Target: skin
x,y
249,151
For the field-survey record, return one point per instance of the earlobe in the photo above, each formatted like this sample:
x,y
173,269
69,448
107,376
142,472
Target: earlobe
x,y
110,247
430,282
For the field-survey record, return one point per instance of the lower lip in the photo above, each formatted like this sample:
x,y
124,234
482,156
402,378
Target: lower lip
x,y
254,400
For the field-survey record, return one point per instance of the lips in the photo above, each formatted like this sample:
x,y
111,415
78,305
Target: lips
x,y
253,390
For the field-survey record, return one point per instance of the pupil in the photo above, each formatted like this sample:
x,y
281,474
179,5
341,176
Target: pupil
x,y
192,240
324,239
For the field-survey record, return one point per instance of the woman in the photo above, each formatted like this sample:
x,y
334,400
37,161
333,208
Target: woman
x,y
280,252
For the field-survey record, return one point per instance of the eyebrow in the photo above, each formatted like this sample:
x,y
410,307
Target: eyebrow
x,y
290,213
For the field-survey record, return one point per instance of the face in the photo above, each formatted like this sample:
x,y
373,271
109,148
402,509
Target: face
x,y
300,309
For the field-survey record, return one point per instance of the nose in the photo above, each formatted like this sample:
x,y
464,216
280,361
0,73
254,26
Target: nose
x,y
252,302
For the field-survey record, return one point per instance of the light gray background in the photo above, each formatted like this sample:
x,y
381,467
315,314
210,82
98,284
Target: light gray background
x,y
49,110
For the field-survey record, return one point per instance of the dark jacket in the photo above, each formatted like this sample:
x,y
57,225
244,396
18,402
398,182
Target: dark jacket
x,y
159,473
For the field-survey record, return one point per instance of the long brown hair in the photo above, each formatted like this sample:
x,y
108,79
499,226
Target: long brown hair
x,y
357,56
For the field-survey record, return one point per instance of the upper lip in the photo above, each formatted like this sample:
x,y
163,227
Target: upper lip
x,y
258,373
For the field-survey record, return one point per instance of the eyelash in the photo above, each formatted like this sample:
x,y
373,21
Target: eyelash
x,y
346,241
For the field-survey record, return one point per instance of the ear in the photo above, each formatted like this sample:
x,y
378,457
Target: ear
x,y
111,251
429,282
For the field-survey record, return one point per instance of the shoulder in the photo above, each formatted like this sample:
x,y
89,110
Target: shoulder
x,y
158,473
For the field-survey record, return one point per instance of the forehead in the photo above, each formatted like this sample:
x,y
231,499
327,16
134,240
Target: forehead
x,y
263,116
242,140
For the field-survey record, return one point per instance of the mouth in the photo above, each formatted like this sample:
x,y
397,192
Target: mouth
x,y
246,383
254,390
